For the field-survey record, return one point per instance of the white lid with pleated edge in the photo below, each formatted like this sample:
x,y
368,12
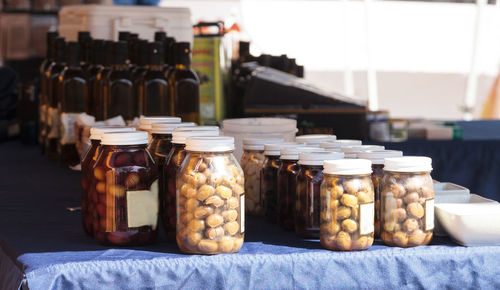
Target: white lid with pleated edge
x,y
168,128
146,122
210,144
274,149
377,157
124,138
339,143
315,139
96,132
362,148
347,167
258,143
293,153
317,158
408,164
180,137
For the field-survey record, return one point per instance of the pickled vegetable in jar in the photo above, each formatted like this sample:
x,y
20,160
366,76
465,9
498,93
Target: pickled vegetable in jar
x,y
307,202
351,152
210,198
377,159
407,202
287,184
347,205
170,169
313,140
335,146
89,195
251,163
126,182
146,123
269,178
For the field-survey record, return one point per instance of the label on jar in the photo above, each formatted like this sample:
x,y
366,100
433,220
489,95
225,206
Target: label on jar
x,y
366,218
429,214
142,207
67,128
52,123
242,213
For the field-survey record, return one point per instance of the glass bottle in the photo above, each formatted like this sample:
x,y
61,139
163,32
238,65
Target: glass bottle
x,y
184,86
85,41
42,95
154,85
146,123
95,67
98,89
138,71
73,98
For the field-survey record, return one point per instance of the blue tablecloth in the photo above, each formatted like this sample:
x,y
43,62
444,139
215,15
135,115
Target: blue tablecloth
x,y
44,247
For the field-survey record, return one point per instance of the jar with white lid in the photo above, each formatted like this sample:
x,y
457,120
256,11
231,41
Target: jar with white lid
x,y
287,184
351,152
377,158
146,123
251,163
307,203
210,198
126,182
161,139
269,178
407,202
314,139
169,172
347,205
89,195
336,145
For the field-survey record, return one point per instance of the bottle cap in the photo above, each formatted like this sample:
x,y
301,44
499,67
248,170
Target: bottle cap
x,y
123,35
352,151
347,167
108,52
96,132
339,143
84,40
274,149
210,144
293,152
145,122
168,128
408,164
97,51
51,39
377,157
156,53
315,139
182,53
317,158
169,50
60,50
124,138
120,52
142,52
160,36
73,54
258,143
179,137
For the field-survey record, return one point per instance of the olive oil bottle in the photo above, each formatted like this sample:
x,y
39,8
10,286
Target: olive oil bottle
x,y
138,72
154,85
85,40
42,95
100,81
95,67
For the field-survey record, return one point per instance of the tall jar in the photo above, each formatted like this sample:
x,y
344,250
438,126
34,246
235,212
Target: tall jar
x,y
171,167
407,201
210,198
313,140
126,182
347,205
269,179
336,145
351,152
377,159
89,195
251,163
146,123
287,184
307,203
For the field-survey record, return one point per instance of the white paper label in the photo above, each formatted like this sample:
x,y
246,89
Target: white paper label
x,y
366,218
429,214
67,128
142,207
52,123
242,213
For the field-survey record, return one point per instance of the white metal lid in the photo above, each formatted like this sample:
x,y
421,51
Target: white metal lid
x,y
377,157
362,148
146,122
293,152
210,144
168,128
124,138
260,125
274,149
347,167
258,143
317,158
339,143
96,132
408,164
180,136
315,139
197,128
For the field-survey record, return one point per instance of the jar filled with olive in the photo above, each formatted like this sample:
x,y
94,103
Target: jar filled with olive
x,y
313,140
210,198
307,203
146,123
407,202
336,145
347,205
377,159
251,163
287,184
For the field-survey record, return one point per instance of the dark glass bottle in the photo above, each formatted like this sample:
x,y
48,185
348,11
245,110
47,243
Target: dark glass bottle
x,y
138,71
100,81
268,187
154,85
184,86
307,210
287,186
85,41
53,91
73,98
119,94
42,93
160,36
95,67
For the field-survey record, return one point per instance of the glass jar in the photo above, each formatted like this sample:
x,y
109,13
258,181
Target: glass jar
x,y
313,140
89,195
351,152
307,202
126,182
336,145
269,179
407,202
210,198
251,163
169,172
146,123
287,184
377,159
347,205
